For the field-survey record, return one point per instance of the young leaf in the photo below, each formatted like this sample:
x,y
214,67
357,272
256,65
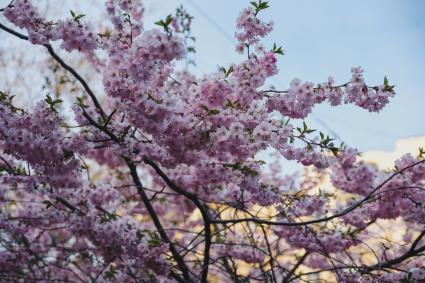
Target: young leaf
x,y
165,23
205,107
421,152
52,102
213,112
259,6
227,72
277,50
77,18
387,86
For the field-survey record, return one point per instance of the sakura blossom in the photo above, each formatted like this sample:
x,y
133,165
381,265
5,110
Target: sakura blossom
x,y
159,176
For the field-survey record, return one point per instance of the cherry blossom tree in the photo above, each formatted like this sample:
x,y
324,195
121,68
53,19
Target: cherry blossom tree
x,y
159,176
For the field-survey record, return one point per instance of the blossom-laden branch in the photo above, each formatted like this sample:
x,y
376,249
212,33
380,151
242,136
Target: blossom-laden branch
x,y
176,189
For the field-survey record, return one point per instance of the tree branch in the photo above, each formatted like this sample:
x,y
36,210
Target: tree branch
x,y
319,220
156,221
64,65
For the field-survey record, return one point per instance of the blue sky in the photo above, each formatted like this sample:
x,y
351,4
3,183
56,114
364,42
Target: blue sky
x,y
328,37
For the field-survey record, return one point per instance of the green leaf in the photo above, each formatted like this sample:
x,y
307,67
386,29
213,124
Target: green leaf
x,y
165,23
77,18
421,152
327,195
52,102
154,242
248,171
387,86
277,50
48,99
234,166
168,20
219,239
305,128
227,72
68,154
3,169
263,5
110,274
48,204
3,96
80,101
213,112
260,5
334,150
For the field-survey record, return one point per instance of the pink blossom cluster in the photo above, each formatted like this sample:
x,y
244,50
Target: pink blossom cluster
x,y
24,15
250,29
126,17
358,178
54,231
241,252
321,242
299,100
163,179
307,205
401,196
413,275
305,157
39,140
371,99
75,35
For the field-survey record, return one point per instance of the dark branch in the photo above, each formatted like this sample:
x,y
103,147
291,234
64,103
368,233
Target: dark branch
x,y
156,221
64,65
324,219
